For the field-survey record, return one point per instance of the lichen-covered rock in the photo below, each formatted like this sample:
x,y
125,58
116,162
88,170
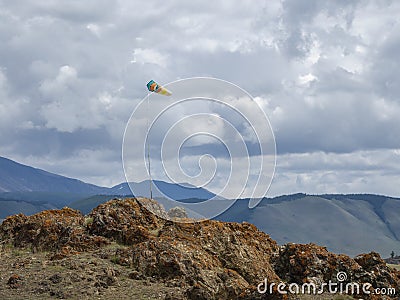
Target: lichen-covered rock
x,y
192,266
310,263
241,247
50,230
14,281
213,260
177,212
377,272
124,221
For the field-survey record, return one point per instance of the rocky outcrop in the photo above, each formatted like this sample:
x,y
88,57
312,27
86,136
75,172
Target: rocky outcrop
x,y
201,259
214,260
297,263
62,231
207,257
125,221
376,272
177,212
311,263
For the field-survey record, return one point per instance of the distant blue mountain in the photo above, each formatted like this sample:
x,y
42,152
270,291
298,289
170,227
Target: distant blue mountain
x,y
31,185
15,177
161,189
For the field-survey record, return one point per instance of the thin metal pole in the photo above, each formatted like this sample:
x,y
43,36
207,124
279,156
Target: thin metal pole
x,y
148,147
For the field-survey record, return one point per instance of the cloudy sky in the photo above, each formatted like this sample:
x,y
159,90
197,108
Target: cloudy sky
x,y
327,74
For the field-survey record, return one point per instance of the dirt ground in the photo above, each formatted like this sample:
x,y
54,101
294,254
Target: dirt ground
x,y
25,275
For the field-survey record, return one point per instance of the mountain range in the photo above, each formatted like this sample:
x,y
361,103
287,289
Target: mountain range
x,y
29,190
348,224
15,177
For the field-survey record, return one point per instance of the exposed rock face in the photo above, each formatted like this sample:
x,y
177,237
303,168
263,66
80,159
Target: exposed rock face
x,y
376,271
207,259
177,212
124,221
311,263
215,260
61,231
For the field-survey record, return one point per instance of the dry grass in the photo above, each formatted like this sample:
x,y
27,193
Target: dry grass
x,y
397,267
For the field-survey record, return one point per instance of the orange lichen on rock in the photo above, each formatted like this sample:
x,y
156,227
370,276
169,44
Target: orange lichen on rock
x,y
50,230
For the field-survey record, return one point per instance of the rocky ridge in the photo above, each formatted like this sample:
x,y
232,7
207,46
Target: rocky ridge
x,y
122,246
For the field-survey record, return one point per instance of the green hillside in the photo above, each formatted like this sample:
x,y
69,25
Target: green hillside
x,y
10,207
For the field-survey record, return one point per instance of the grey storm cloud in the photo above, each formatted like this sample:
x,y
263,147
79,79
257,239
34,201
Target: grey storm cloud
x,y
325,72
